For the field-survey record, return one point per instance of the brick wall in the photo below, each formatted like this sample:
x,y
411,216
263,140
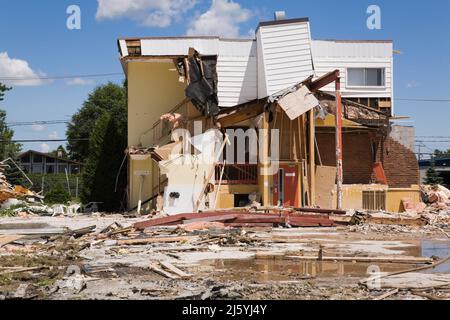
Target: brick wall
x,y
399,163
357,155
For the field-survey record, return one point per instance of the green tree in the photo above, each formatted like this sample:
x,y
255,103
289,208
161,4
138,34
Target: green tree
x,y
106,151
3,89
111,99
432,176
441,153
8,148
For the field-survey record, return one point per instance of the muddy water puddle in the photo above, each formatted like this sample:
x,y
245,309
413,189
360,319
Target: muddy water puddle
x,y
285,270
262,270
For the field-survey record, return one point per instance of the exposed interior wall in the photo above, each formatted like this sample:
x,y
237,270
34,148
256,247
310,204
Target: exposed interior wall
x,y
399,163
227,193
357,154
153,89
352,195
396,195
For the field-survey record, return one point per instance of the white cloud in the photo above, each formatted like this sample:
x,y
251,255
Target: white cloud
x,y
38,127
151,13
45,148
53,135
80,82
16,68
222,18
412,84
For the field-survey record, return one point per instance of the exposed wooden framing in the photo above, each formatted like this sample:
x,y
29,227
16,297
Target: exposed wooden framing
x,y
339,166
312,158
291,152
243,114
263,177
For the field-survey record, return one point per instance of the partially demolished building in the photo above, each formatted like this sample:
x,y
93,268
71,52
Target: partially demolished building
x,y
316,118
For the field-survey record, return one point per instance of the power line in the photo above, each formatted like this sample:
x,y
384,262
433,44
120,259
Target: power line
x,y
95,75
44,140
434,141
434,137
422,100
31,123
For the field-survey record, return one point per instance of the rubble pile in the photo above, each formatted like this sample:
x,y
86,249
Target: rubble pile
x,y
437,197
19,201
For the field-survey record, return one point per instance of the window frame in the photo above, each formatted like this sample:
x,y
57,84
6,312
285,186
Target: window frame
x,y
383,70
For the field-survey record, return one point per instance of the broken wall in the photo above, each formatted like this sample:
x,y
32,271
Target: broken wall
x,y
357,151
152,91
399,163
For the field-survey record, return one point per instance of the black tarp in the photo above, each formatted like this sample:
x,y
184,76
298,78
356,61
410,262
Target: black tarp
x,y
202,89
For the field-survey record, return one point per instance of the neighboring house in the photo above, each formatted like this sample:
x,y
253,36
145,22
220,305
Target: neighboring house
x,y
248,78
441,165
44,163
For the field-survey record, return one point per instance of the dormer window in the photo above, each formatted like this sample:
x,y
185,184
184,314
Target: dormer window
x,y
365,77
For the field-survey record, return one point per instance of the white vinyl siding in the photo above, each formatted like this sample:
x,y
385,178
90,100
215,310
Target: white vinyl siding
x,y
346,55
236,63
284,56
237,72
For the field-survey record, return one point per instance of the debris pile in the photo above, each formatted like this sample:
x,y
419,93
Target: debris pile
x,y
437,196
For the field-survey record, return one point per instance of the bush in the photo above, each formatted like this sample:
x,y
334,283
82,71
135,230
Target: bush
x,y
58,195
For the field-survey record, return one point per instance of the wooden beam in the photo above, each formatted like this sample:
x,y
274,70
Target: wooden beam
x,y
312,158
156,240
263,177
324,81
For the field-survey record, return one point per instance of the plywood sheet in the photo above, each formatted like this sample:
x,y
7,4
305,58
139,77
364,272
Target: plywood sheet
x,y
325,183
297,103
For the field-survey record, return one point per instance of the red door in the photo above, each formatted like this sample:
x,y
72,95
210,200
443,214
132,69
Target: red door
x,y
286,186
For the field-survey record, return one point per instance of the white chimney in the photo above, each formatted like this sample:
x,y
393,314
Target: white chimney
x,y
280,15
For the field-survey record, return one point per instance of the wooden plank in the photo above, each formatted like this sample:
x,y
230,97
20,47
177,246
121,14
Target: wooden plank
x,y
387,294
175,270
156,240
241,115
37,232
4,240
405,260
226,217
161,272
420,222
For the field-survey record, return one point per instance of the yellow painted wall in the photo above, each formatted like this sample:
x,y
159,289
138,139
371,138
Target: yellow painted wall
x,y
395,196
352,196
135,166
153,89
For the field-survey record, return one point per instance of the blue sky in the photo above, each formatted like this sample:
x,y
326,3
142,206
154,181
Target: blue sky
x,y
35,32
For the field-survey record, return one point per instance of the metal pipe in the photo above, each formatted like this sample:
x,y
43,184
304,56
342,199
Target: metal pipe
x,y
339,171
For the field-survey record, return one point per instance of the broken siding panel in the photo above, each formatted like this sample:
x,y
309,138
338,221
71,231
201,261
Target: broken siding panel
x,y
123,48
179,46
237,72
332,55
285,56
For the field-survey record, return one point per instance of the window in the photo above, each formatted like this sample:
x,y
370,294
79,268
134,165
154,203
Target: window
x,y
37,168
365,77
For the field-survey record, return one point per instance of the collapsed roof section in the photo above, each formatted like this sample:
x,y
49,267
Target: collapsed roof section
x,y
232,72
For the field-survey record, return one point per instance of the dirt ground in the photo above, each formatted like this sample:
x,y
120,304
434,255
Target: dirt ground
x,y
261,263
